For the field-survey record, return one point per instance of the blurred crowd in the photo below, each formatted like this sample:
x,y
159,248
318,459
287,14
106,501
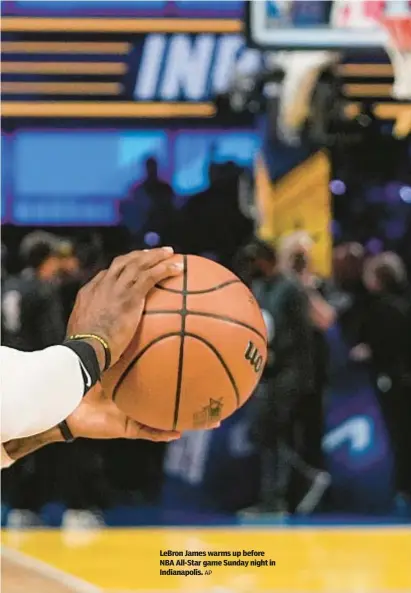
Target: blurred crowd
x,y
369,297
207,222
368,294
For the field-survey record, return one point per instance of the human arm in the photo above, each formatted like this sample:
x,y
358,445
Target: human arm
x,y
40,389
19,448
322,313
96,417
29,387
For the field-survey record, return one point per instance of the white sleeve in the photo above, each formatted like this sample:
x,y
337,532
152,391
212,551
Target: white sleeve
x,y
38,390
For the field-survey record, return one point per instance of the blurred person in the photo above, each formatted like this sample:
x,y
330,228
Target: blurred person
x,y
211,220
296,258
32,319
288,380
70,276
3,261
347,265
149,207
85,461
4,274
347,268
32,316
385,340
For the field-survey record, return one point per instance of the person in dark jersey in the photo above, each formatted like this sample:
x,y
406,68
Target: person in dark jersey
x,y
385,339
287,380
32,315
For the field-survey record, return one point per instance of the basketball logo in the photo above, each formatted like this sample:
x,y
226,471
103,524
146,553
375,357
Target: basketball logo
x,y
209,414
253,356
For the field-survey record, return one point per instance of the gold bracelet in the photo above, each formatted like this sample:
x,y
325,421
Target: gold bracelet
x,y
107,352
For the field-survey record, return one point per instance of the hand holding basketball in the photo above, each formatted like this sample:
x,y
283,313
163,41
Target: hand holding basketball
x,y
97,417
198,353
112,303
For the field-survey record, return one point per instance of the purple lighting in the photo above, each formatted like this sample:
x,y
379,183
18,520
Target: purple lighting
x,y
374,246
337,187
394,229
335,229
405,194
392,191
152,239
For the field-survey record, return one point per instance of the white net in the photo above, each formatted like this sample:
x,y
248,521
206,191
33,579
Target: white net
x,y
374,15
399,51
302,71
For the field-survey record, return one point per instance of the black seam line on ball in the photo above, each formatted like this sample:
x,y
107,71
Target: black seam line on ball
x,y
222,361
171,335
209,315
205,291
183,313
137,358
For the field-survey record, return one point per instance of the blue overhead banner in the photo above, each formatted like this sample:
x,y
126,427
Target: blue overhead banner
x,y
75,72
155,67
119,59
141,59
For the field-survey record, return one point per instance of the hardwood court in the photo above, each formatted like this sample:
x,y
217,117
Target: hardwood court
x,y
19,575
308,560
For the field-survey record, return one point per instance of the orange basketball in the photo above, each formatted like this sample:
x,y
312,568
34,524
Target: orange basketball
x,y
198,353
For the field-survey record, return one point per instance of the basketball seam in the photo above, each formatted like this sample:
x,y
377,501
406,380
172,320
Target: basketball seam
x,y
205,291
183,313
222,361
137,358
174,334
210,315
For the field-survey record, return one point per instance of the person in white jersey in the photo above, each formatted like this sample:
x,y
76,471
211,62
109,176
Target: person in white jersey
x,y
54,394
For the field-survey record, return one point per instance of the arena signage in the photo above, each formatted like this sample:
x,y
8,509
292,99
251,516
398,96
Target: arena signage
x,y
188,68
174,71
152,65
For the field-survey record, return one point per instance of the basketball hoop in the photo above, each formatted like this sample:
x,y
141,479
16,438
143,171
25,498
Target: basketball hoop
x,y
399,50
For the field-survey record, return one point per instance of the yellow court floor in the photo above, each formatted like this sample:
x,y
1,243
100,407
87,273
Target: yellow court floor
x,y
307,559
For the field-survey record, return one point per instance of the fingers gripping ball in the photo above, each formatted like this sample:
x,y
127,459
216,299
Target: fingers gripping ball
x,y
198,353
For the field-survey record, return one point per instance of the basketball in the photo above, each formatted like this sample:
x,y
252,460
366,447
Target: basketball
x,y
198,353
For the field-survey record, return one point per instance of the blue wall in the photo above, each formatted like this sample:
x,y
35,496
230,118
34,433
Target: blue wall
x,y
50,173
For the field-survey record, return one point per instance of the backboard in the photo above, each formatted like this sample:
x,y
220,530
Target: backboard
x,y
320,24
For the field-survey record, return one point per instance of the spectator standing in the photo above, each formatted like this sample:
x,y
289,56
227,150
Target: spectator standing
x,y
32,316
288,379
150,208
296,258
386,340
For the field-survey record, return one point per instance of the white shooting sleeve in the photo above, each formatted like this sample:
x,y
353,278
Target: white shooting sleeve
x,y
37,390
